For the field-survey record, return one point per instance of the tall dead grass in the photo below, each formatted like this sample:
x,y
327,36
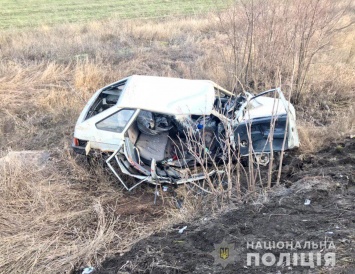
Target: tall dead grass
x,y
57,216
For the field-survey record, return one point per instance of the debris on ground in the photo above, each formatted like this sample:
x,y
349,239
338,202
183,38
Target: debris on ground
x,y
307,202
88,270
181,230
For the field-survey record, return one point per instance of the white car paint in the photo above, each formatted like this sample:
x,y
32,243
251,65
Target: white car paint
x,y
168,95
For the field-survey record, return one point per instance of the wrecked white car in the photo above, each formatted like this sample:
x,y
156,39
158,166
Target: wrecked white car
x,y
157,129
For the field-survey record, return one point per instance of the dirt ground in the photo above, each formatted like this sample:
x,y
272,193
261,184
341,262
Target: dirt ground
x,y
326,178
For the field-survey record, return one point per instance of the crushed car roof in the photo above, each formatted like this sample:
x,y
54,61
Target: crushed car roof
x,y
168,95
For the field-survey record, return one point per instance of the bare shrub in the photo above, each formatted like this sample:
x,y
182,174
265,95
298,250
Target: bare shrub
x,y
269,41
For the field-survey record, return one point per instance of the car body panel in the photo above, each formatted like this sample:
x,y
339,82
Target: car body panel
x,y
259,116
176,96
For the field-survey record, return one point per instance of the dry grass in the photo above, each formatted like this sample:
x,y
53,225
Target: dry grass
x,y
62,217
58,216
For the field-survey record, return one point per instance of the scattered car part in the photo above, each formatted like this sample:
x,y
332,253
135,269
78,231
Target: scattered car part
x,y
181,230
307,202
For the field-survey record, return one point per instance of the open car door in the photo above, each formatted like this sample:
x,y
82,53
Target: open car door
x,y
263,120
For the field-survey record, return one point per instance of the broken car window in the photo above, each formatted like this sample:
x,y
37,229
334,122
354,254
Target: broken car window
x,y
107,99
153,123
117,121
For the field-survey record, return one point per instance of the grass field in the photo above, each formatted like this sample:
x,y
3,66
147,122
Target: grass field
x,y
22,13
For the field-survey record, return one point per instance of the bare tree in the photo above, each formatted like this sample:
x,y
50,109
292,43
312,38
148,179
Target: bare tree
x,y
268,36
